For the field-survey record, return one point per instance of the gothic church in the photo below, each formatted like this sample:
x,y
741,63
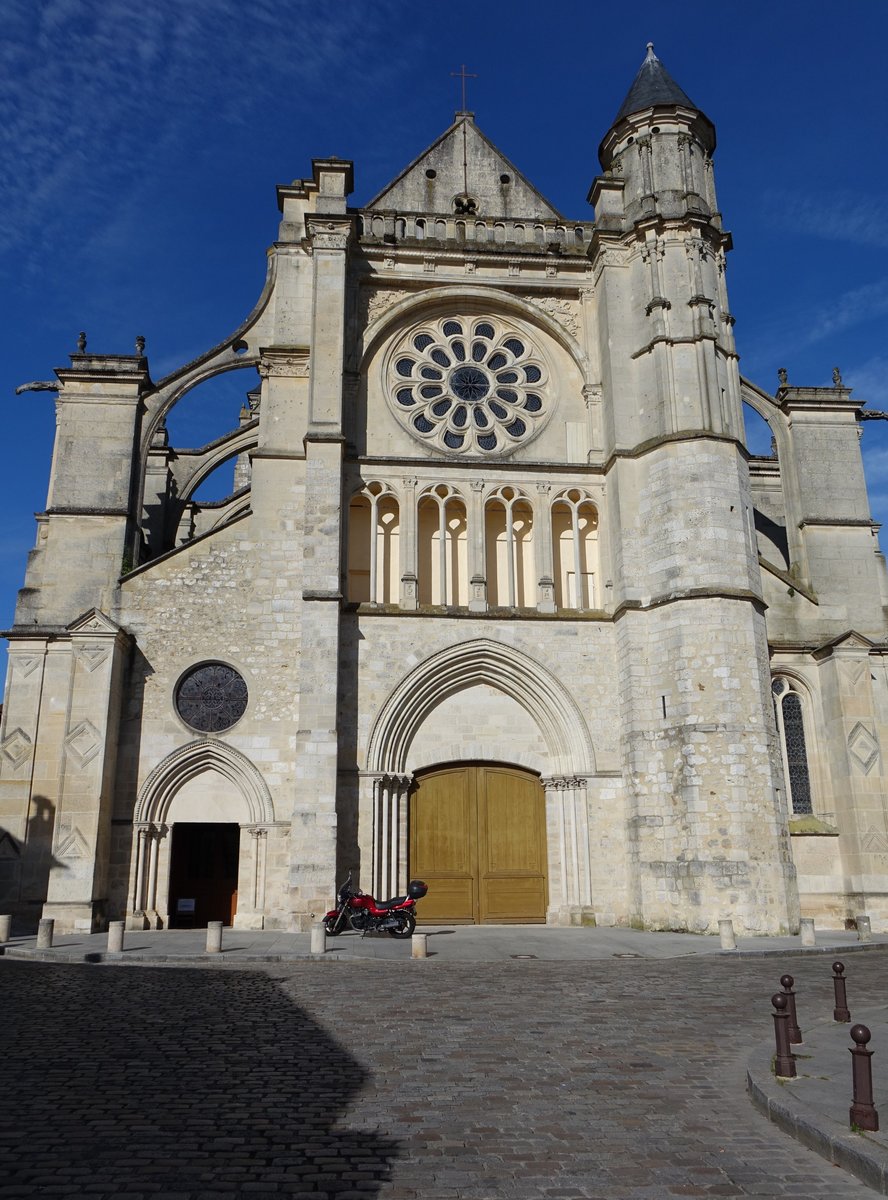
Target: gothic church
x,y
500,598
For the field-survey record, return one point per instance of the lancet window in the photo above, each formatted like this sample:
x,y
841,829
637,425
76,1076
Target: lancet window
x,y
789,709
373,546
509,550
575,550
442,547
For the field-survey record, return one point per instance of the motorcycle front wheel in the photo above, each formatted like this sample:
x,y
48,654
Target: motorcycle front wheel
x,y
407,924
333,925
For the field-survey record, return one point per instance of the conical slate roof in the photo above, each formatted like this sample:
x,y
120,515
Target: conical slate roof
x,y
653,85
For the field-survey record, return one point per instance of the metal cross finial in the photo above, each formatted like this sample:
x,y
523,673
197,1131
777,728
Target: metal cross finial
x,y
463,74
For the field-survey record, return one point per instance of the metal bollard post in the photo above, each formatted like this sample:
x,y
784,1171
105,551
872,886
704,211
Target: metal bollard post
x,y
863,1112
795,1034
864,928
318,938
806,928
115,936
726,933
419,945
840,1012
45,926
784,1060
214,937
5,928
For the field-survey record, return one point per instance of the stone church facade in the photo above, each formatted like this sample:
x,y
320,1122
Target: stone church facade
x,y
500,597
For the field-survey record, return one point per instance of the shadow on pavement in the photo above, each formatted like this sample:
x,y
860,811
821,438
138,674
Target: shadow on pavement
x,y
155,1081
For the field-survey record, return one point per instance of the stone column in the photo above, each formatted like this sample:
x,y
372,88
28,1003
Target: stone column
x,y
477,535
390,800
409,578
570,873
542,540
251,881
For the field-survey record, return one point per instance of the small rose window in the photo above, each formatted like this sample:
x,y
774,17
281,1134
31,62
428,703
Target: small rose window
x,y
211,697
468,386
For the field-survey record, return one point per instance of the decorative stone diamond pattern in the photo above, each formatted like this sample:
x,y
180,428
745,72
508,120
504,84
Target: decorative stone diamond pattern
x,y
71,844
863,748
16,747
92,656
468,386
854,672
24,664
874,842
83,742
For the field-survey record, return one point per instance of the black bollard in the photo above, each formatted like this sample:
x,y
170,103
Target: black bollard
x,y
863,1112
795,1034
784,1060
840,1012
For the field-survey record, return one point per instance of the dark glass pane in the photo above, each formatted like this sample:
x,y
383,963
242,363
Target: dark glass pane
x,y
497,360
515,346
459,416
480,418
507,394
533,403
469,384
422,340
440,358
404,367
430,390
533,374
796,753
211,697
405,397
459,351
423,424
488,441
431,373
507,377
516,428
452,327
482,329
498,410
453,440
479,351
442,407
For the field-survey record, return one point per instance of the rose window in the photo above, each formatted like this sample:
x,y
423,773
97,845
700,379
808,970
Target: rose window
x,y
468,385
211,697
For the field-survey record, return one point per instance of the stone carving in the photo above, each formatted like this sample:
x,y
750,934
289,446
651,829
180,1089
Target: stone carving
x,y
290,366
83,742
561,310
17,747
782,376
381,301
854,672
863,748
874,842
837,377
71,844
91,657
24,664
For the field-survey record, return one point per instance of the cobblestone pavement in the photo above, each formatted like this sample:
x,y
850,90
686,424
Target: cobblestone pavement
x,y
616,1080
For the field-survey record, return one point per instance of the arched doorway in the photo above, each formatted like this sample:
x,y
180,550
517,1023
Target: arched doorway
x,y
478,839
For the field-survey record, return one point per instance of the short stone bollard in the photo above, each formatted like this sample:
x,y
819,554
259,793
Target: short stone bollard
x,y
795,1034
840,1012
115,936
807,931
318,938
45,926
419,945
863,1111
726,933
864,928
5,928
784,1059
214,937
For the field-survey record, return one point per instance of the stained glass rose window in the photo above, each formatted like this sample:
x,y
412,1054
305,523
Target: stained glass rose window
x,y
211,697
468,385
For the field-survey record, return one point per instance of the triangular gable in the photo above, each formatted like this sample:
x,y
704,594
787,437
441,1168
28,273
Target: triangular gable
x,y
93,621
851,639
417,190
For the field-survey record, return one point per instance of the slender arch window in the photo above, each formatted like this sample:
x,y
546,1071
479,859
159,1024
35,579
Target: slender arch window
x,y
373,546
442,547
508,529
789,710
575,550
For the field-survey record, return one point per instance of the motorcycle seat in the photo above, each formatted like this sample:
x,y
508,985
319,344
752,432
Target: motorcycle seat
x,y
393,903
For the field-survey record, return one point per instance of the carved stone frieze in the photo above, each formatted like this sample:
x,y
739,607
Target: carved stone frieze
x,y
287,366
380,301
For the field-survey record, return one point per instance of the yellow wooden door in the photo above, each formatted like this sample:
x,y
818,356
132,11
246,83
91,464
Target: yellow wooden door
x,y
478,839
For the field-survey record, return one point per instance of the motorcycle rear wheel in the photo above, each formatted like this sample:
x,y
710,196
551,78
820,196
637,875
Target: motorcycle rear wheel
x,y
406,927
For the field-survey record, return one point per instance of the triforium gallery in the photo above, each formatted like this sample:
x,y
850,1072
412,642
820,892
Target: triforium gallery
x,y
497,596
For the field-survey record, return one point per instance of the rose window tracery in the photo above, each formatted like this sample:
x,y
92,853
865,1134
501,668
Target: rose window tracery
x,y
211,697
468,385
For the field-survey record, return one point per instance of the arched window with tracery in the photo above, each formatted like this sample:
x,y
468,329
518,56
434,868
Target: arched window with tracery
x,y
575,550
373,546
508,529
442,547
789,709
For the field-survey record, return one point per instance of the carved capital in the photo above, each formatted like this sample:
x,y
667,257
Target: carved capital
x,y
292,364
327,234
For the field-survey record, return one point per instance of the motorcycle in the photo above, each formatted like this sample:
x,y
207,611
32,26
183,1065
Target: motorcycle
x,y
396,917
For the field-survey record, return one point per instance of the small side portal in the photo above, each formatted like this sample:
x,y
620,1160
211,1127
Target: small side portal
x,y
203,874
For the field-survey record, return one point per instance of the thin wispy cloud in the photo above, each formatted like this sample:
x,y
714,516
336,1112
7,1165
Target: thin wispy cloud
x,y
841,216
96,98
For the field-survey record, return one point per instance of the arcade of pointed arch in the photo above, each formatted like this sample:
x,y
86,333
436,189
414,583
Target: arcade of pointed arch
x,y
530,549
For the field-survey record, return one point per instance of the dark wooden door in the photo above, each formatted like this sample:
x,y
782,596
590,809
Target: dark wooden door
x,y
203,874
478,839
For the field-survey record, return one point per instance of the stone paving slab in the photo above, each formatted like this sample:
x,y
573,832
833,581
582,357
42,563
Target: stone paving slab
x,y
444,1080
467,943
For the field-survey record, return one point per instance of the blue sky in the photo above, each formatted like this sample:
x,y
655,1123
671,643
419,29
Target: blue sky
x,y
141,144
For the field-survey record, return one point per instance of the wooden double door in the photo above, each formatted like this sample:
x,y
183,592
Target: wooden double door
x,y
478,839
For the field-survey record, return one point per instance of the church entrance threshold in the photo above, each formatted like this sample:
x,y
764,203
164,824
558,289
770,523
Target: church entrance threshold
x,y
478,839
203,874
